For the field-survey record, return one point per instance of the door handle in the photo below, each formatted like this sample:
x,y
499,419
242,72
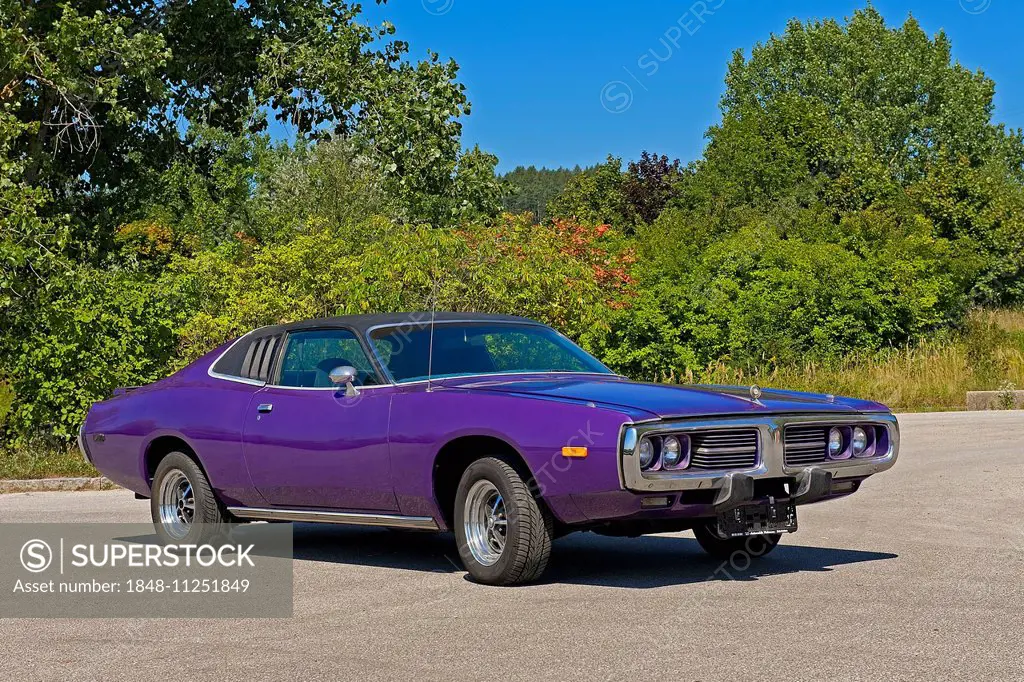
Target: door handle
x,y
264,408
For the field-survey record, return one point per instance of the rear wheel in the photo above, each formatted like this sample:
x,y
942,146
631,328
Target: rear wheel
x,y
721,547
183,506
504,534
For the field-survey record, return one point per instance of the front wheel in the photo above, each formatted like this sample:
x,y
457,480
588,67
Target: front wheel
x,y
721,547
185,511
504,534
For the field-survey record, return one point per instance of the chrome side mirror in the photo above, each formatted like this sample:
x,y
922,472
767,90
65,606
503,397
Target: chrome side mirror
x,y
345,374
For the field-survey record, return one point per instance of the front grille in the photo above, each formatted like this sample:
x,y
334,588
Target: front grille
x,y
725,449
805,444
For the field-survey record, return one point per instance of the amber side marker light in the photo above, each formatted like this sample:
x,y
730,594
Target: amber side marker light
x,y
574,452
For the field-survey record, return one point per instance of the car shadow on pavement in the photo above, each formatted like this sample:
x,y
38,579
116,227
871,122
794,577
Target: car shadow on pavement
x,y
582,558
662,560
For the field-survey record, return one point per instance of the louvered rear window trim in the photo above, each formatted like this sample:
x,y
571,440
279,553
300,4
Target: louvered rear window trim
x,y
259,358
257,362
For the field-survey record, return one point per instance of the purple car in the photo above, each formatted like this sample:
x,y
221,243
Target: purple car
x,y
495,427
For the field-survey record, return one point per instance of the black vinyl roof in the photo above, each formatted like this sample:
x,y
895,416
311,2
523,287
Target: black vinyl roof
x,y
362,323
254,360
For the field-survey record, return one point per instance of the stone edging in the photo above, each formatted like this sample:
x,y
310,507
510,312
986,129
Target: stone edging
x,y
41,485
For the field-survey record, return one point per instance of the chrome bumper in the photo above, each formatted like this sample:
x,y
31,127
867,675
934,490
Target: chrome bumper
x,y
81,444
771,460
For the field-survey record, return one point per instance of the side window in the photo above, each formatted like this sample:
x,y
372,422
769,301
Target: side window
x,y
310,356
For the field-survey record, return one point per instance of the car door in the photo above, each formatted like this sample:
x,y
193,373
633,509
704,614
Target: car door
x,y
309,445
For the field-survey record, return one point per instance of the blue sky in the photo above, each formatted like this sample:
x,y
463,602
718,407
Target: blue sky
x,y
565,82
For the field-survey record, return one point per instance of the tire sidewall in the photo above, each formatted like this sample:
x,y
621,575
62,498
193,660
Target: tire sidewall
x,y
202,529
487,469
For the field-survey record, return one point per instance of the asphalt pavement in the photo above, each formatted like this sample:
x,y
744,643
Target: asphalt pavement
x,y
918,576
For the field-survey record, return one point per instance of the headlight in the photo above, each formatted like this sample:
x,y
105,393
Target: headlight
x,y
671,452
835,443
646,453
859,441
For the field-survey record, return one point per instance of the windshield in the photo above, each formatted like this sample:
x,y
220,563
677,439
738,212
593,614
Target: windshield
x,y
465,348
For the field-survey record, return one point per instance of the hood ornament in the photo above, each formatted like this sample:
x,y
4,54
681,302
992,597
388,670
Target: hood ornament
x,y
755,392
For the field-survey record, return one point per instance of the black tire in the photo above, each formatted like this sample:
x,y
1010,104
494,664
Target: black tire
x,y
529,528
754,546
209,518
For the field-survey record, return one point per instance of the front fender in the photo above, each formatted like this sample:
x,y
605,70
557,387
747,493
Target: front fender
x,y
422,423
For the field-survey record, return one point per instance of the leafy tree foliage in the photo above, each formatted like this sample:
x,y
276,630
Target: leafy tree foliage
x,y
373,266
650,183
132,133
855,196
771,293
854,112
627,198
96,92
857,115
593,196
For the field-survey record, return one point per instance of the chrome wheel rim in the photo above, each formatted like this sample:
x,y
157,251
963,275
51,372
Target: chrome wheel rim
x,y
486,524
177,504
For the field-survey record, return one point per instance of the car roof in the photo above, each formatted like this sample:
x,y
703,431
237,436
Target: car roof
x,y
363,323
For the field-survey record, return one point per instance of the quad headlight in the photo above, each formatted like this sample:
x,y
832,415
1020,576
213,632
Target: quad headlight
x,y
647,453
658,453
672,453
835,443
859,442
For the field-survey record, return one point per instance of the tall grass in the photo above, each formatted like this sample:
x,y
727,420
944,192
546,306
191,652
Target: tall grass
x,y
43,461
988,354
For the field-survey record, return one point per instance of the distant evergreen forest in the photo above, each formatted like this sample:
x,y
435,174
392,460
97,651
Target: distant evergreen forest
x,y
528,188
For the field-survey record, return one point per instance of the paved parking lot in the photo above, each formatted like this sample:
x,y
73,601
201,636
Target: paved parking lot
x,y
919,576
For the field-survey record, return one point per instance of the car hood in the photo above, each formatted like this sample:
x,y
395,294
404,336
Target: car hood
x,y
665,400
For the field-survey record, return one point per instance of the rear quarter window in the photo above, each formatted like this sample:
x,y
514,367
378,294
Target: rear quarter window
x,y
250,358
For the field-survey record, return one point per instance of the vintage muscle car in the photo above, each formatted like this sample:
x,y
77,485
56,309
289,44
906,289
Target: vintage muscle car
x,y
495,427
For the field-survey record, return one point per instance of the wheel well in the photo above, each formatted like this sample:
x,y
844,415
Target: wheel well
x,y
163,446
456,455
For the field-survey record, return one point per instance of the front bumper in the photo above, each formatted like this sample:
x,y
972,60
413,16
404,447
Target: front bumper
x,y
812,482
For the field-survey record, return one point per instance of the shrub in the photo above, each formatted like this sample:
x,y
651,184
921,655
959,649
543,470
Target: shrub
x,y
563,275
6,400
94,330
781,291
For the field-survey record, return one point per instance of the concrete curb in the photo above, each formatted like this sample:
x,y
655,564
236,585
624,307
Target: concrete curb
x,y
994,400
45,485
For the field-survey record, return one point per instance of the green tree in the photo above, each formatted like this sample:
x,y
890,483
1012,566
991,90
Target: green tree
x,y
478,190
95,94
593,196
134,132
624,198
853,115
